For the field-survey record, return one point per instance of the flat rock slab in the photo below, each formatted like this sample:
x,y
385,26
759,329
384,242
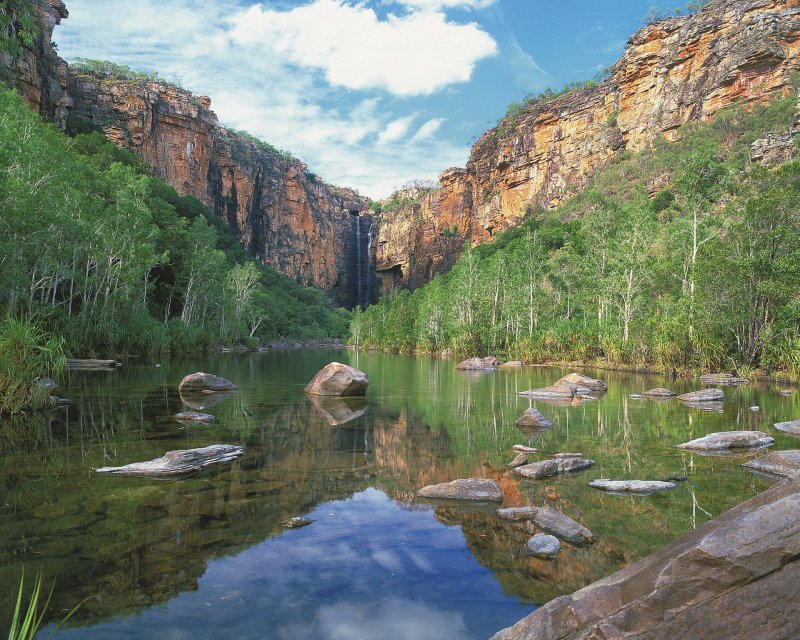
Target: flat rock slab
x,y
553,467
778,463
703,395
201,382
792,427
180,462
337,379
735,576
552,522
194,416
489,363
474,489
640,487
659,392
544,546
722,378
583,382
533,418
553,392
728,440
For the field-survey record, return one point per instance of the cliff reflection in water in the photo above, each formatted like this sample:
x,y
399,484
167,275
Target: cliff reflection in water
x,y
138,542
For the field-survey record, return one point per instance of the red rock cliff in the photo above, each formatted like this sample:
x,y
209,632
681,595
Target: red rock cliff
x,y
673,71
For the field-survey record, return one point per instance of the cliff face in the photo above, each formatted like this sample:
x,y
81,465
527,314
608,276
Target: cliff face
x,y
673,71
283,215
37,71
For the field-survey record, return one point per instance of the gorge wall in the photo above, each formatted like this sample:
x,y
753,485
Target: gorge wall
x,y
673,71
287,218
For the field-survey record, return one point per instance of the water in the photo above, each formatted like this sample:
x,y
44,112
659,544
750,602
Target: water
x,y
207,557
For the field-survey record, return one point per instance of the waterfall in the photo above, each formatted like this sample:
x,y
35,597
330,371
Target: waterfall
x,y
368,300
358,258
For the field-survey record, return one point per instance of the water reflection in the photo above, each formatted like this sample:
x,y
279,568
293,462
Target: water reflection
x,y
212,549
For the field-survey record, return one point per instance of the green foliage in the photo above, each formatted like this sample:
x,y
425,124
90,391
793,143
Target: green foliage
x,y
26,354
116,261
18,26
113,70
702,275
25,626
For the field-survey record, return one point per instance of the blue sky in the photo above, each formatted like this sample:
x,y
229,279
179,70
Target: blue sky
x,y
369,93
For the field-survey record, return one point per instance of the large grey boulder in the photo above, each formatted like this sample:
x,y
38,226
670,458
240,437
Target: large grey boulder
x,y
735,576
201,382
728,440
550,521
552,467
337,379
533,418
180,462
777,463
474,489
641,487
489,363
544,546
792,427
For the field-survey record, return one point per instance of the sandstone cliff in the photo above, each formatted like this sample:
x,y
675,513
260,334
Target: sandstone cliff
x,y
673,71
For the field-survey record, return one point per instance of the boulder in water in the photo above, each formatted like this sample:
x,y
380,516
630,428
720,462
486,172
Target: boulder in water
x,y
544,546
180,462
784,463
728,440
337,379
533,418
489,363
474,489
582,382
201,382
641,487
703,395
552,467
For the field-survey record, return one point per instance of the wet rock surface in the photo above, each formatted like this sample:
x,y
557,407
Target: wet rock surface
x,y
337,379
473,489
728,440
543,545
201,382
180,462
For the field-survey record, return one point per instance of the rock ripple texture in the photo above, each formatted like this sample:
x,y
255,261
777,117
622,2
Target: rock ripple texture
x,y
728,440
203,382
337,379
735,576
489,363
475,489
544,546
632,486
180,462
553,467
778,463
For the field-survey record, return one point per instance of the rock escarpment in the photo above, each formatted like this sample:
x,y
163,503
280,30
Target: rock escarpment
x,y
673,71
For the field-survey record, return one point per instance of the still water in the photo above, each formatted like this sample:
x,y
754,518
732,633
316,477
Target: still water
x,y
207,557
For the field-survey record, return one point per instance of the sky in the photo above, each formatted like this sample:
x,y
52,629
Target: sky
x,y
369,93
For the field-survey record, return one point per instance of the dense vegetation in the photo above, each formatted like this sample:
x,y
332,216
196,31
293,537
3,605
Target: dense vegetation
x,y
680,257
116,261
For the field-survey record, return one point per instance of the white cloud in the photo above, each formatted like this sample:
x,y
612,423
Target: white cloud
x,y
415,54
362,139
438,5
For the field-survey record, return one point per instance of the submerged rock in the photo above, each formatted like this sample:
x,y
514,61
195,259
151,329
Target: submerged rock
x,y
180,462
205,382
582,382
546,468
703,395
642,487
778,463
543,545
659,392
533,418
728,440
475,489
489,363
792,427
337,379
296,522
194,416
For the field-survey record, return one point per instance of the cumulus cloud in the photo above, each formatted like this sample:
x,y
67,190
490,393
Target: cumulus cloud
x,y
414,54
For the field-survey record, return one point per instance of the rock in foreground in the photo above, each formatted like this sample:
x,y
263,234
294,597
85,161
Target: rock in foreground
x,y
180,462
641,487
201,382
337,379
533,418
475,489
792,427
490,363
546,468
728,440
544,546
735,576
778,463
